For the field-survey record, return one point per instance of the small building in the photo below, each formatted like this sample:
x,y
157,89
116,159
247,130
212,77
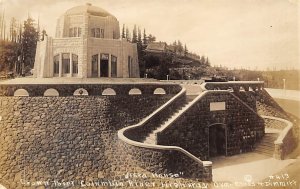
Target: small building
x,y
87,44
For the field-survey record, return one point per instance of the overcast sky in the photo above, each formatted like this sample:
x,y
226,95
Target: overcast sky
x,y
253,34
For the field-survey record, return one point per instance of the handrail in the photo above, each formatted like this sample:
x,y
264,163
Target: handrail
x,y
200,96
284,132
154,146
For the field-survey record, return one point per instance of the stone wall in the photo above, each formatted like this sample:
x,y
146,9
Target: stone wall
x,y
67,138
190,131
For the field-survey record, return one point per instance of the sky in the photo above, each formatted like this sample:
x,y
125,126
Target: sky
x,y
251,34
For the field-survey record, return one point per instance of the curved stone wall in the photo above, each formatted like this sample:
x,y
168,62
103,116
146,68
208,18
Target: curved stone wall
x,y
67,138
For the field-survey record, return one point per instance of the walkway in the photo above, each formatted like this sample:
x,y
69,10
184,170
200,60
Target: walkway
x,y
284,94
234,168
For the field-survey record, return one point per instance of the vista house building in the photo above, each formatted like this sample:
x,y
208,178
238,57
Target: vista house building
x,y
87,44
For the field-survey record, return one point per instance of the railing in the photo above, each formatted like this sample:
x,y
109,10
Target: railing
x,y
285,142
234,85
135,134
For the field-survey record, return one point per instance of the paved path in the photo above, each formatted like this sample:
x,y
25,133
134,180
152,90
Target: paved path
x,y
284,94
234,168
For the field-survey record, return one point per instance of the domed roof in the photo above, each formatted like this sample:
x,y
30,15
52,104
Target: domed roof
x,y
88,8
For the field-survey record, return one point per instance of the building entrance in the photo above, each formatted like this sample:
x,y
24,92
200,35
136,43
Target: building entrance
x,y
217,140
104,65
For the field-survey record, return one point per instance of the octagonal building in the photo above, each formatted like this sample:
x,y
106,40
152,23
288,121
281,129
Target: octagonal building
x,y
87,44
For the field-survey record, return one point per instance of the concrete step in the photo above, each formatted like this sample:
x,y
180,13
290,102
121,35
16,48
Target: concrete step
x,y
264,153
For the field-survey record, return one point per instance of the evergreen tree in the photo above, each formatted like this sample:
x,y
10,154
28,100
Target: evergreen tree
x,y
127,34
134,35
175,47
202,59
144,38
139,39
29,41
151,38
180,47
185,50
123,32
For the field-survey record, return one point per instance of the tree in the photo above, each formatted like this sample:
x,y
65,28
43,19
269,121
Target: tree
x,y
202,60
144,38
44,33
134,35
207,63
123,32
151,38
127,34
29,41
180,47
185,50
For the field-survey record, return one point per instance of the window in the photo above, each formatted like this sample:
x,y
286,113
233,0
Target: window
x,y
97,33
102,33
66,63
71,32
75,63
56,64
75,32
95,65
113,66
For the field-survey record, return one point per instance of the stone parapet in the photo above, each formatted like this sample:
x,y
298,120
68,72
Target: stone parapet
x,y
286,141
92,89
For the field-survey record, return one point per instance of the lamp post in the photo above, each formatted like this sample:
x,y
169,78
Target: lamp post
x,y
146,76
167,77
283,84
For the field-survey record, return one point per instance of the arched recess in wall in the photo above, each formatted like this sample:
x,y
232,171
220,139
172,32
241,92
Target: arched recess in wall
x,y
21,92
159,91
135,91
80,92
217,139
109,92
51,92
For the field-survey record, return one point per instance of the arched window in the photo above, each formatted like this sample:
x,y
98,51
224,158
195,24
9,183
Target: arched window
x,y
109,91
21,92
56,64
80,92
135,91
51,92
160,91
75,63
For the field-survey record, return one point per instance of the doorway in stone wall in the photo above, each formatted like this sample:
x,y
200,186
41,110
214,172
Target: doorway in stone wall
x,y
217,140
104,65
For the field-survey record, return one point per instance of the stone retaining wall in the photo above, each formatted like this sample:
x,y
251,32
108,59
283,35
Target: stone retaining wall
x,y
287,140
67,138
190,131
163,159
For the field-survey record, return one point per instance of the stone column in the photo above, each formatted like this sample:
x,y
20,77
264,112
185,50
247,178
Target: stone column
x,y
71,65
109,65
60,65
278,153
207,171
98,64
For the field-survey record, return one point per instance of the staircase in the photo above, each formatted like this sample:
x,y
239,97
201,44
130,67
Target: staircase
x,y
152,137
266,145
